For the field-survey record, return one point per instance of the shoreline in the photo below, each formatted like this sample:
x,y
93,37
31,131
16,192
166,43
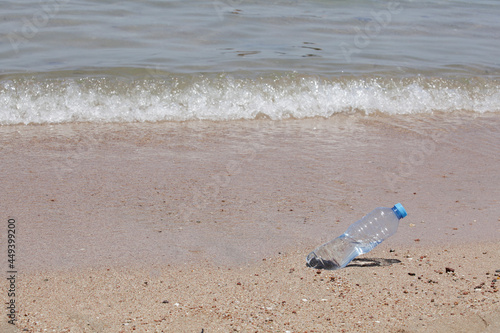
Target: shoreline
x,y
235,192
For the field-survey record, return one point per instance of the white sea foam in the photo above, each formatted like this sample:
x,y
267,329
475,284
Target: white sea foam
x,y
224,97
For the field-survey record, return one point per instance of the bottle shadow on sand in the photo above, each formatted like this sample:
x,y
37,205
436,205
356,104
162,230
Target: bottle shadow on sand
x,y
357,262
372,262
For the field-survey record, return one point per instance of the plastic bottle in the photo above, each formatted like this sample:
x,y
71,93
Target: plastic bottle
x,y
361,237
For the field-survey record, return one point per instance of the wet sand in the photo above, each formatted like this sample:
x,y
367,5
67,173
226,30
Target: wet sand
x,y
200,225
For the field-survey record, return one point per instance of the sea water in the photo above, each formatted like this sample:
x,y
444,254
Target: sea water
x,y
64,61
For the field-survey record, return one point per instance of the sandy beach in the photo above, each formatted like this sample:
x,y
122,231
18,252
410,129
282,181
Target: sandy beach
x,y
205,226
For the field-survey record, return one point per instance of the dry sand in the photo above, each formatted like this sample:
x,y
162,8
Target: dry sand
x,y
278,294
205,226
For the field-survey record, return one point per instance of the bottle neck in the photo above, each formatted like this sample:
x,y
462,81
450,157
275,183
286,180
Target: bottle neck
x,y
397,212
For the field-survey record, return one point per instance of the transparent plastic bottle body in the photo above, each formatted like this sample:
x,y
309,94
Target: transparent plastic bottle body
x,y
361,237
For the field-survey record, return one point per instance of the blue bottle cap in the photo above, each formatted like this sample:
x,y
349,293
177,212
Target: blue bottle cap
x,y
399,210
